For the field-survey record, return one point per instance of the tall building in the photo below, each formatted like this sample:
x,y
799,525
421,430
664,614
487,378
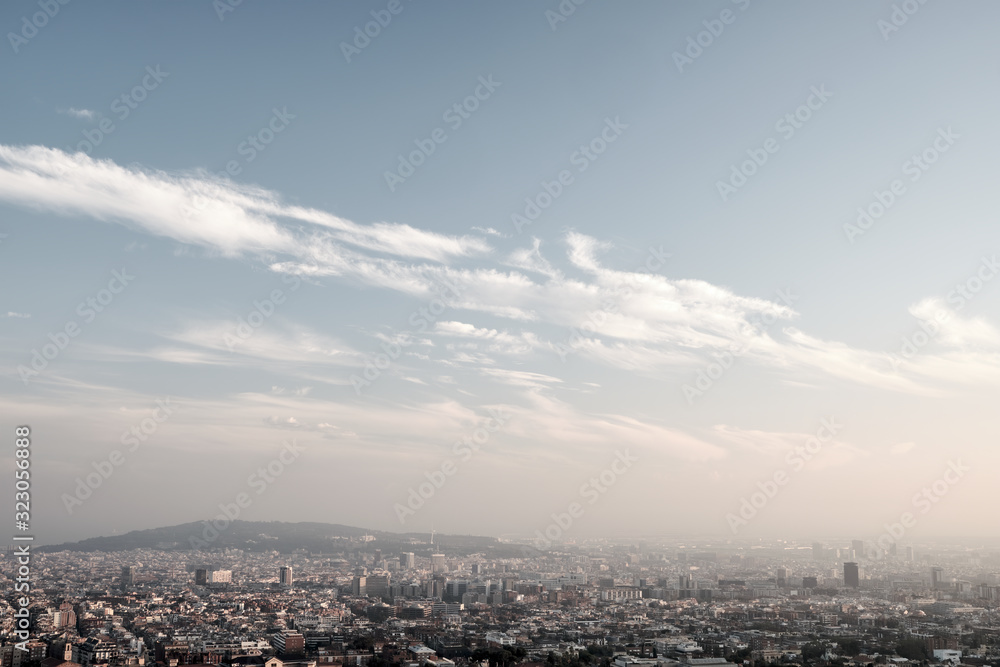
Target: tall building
x,y
438,564
937,578
285,576
359,586
407,560
817,551
128,575
378,586
436,587
289,643
851,577
858,547
204,576
909,554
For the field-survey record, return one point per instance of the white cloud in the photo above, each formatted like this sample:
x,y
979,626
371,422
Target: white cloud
x,y
23,316
198,208
623,319
86,114
490,231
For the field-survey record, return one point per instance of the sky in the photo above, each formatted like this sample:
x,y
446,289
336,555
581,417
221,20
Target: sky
x,y
515,269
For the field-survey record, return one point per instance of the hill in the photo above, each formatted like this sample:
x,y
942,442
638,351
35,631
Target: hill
x,y
284,537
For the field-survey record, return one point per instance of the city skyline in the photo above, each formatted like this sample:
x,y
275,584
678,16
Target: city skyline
x,y
572,270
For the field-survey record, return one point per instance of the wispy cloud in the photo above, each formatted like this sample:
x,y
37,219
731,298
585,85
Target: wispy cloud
x,y
646,323
200,209
490,231
24,316
86,114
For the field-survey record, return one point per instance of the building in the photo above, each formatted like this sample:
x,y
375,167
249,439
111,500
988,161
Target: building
x,y
359,587
285,576
206,576
438,564
289,643
378,585
809,582
128,575
937,578
446,609
851,576
11,656
94,651
858,547
65,617
620,593
499,639
407,560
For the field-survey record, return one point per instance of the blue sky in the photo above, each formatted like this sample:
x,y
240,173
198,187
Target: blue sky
x,y
309,212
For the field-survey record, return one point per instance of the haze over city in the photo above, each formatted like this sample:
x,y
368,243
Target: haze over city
x,y
637,270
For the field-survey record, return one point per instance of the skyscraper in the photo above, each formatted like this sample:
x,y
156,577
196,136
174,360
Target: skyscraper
x,y
851,578
937,577
407,560
128,575
438,564
378,586
858,546
285,576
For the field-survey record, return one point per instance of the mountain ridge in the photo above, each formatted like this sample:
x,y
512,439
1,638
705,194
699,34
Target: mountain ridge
x,y
281,536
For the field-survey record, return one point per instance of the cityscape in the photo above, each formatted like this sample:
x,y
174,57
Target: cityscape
x,y
433,601
508,333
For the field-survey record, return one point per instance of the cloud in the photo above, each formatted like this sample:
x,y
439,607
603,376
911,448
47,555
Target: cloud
x,y
530,259
628,320
24,316
86,114
776,445
200,209
490,231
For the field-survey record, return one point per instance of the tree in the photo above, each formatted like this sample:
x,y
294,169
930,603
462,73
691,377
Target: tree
x,y
912,649
850,647
363,643
378,614
813,650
